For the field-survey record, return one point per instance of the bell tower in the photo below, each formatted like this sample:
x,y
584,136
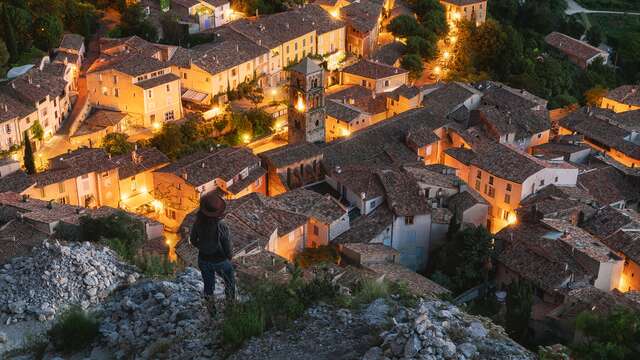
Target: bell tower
x,y
306,113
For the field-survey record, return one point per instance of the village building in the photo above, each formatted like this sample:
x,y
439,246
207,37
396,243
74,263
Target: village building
x,y
71,52
470,208
610,187
135,179
292,166
97,125
453,100
621,99
390,54
84,177
136,77
578,52
12,178
470,10
504,176
37,95
363,20
522,128
196,15
233,172
612,135
375,76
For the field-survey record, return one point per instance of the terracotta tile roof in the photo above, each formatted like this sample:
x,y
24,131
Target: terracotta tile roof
x,y
242,184
17,239
608,185
157,81
139,161
35,85
628,120
291,154
72,41
407,92
464,155
381,144
599,125
341,111
403,195
360,179
362,98
18,182
572,47
365,228
311,204
555,150
433,176
588,298
363,15
12,107
39,210
421,137
626,243
626,94
522,122
61,56
495,93
464,200
448,98
229,49
99,120
390,53
609,220
275,29
76,163
373,70
505,162
205,166
581,241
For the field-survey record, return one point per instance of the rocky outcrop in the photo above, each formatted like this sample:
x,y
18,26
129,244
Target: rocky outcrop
x,y
438,330
159,317
55,276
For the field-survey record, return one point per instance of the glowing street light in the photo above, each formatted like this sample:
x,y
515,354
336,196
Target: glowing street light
x,y
156,126
345,132
246,138
335,13
446,55
437,70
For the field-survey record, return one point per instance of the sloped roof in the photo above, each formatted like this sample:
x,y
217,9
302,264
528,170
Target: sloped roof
x,y
572,47
626,94
306,66
373,70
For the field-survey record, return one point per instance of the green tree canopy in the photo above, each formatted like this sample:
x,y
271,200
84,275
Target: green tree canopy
x,y
47,32
612,337
595,35
116,144
133,22
519,306
404,26
29,160
413,64
419,45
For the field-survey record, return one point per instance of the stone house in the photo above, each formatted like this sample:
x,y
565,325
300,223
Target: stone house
x,y
377,77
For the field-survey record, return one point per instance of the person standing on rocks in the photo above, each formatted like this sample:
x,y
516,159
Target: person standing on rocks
x,y
210,235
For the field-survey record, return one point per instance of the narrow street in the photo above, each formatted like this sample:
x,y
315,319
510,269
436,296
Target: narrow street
x,y
574,8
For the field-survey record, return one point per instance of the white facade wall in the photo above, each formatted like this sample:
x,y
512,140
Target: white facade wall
x,y
412,240
609,275
547,176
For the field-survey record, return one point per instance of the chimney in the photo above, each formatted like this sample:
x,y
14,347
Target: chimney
x,y
184,175
202,165
363,195
29,79
25,198
237,48
6,108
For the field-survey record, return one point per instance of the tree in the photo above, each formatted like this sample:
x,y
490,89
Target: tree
x,y
116,144
173,32
29,160
466,259
431,16
595,35
133,22
519,305
37,131
404,26
423,47
47,32
9,35
593,96
413,64
615,336
4,55
169,141
454,226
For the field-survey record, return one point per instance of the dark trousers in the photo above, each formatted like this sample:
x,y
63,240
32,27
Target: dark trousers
x,y
224,268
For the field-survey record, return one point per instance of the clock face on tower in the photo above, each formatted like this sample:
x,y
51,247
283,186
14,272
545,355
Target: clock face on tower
x,y
306,102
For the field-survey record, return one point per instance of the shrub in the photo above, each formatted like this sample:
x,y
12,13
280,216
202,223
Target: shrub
x,y
315,256
403,294
153,265
74,330
241,322
370,290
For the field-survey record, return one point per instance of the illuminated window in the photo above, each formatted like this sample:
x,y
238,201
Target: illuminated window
x,y
507,198
61,187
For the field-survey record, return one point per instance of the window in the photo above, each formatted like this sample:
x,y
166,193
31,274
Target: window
x,y
115,79
507,198
316,230
168,116
149,93
184,76
408,220
386,83
479,174
295,46
168,88
287,50
478,184
61,187
508,187
492,191
7,128
539,136
116,93
233,72
364,83
556,179
153,118
490,180
542,182
304,42
505,215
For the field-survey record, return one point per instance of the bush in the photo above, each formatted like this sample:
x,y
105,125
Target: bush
x,y
370,290
153,265
315,256
74,330
119,231
241,322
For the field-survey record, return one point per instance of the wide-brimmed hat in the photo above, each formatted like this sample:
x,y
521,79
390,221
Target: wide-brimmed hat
x,y
212,205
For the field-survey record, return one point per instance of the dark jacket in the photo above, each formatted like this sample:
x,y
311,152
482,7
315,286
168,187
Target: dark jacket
x,y
211,237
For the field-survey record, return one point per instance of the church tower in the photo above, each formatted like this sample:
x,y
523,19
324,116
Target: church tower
x,y
306,103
